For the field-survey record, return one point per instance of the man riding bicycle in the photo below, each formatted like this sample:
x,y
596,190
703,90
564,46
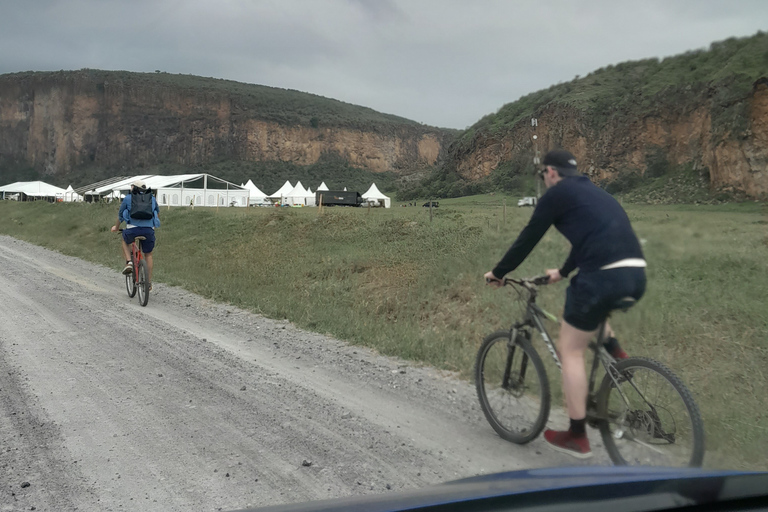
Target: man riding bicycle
x,y
140,212
611,266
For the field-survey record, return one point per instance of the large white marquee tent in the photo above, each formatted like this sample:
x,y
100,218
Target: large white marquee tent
x,y
32,190
179,190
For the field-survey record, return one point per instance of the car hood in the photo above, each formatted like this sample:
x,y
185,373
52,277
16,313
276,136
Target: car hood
x,y
567,489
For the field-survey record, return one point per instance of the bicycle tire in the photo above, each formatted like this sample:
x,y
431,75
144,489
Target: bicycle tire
x,y
143,284
647,432
130,281
527,398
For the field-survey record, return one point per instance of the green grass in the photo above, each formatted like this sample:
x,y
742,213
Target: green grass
x,y
394,281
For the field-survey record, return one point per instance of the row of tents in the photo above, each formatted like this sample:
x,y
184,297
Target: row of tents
x,y
183,190
297,195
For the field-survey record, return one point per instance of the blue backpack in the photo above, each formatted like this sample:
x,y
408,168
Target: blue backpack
x,y
141,205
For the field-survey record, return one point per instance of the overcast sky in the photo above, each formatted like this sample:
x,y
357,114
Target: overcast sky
x,y
440,62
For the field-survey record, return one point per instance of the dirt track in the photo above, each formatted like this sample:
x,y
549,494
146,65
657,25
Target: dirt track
x,y
191,405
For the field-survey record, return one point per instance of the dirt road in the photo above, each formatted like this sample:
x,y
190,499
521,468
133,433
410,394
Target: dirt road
x,y
191,405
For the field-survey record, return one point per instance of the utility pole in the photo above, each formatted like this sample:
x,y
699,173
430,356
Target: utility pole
x,y
536,157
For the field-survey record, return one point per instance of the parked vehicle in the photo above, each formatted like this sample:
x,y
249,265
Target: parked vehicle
x,y
338,197
435,204
527,201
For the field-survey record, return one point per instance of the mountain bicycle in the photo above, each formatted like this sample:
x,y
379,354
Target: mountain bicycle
x,y
645,414
138,280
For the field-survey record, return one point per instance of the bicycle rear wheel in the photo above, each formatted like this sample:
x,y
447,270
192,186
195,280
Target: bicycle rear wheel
x,y
143,285
512,386
655,423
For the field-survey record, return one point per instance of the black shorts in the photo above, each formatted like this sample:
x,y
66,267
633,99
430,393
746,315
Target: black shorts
x,y
591,295
129,235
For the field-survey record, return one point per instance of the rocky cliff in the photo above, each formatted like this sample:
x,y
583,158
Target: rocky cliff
x,y
701,116
56,122
735,161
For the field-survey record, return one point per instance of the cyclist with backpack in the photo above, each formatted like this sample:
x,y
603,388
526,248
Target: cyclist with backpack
x,y
140,212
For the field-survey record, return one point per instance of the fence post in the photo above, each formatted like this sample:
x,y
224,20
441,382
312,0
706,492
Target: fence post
x,y
505,212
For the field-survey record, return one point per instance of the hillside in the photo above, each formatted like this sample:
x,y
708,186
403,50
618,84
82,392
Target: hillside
x,y
700,117
86,124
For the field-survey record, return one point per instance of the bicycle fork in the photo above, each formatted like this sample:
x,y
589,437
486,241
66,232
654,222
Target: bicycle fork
x,y
506,383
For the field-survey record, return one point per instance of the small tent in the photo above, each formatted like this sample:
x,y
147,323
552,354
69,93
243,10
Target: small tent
x,y
71,196
300,197
256,195
375,198
282,193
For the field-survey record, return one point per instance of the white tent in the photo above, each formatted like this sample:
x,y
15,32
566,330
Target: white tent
x,y
179,190
32,190
376,198
281,193
257,196
310,198
322,186
299,196
71,196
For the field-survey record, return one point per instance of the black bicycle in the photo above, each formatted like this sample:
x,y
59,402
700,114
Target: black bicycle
x,y
645,414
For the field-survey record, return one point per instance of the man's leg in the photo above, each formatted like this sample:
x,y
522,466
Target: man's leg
x,y
572,344
127,255
149,258
126,250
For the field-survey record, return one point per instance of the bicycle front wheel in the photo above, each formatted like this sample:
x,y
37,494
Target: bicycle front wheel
x,y
650,418
512,387
130,285
143,284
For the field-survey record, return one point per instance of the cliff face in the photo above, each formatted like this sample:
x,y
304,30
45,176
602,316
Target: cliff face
x,y
738,161
56,124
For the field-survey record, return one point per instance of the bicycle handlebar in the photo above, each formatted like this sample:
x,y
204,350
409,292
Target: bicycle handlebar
x,y
527,282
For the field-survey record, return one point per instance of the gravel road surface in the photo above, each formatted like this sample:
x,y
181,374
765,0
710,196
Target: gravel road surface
x,y
189,404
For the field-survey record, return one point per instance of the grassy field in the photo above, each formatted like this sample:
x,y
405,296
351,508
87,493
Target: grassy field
x,y
412,287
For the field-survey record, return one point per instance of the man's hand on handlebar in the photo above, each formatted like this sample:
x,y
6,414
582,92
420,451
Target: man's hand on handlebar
x,y
114,229
554,275
492,280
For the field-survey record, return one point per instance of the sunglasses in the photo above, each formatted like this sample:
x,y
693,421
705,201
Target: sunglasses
x,y
542,173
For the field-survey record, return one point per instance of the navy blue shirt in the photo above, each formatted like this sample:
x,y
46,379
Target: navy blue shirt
x,y
589,217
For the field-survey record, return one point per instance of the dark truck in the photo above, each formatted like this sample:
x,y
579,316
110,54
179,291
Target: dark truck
x,y
338,198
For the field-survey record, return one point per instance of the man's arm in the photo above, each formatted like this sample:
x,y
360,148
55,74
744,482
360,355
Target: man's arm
x,y
155,213
123,207
569,265
541,219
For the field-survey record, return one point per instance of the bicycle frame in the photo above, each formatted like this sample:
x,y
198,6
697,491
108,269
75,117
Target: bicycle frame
x,y
136,256
534,318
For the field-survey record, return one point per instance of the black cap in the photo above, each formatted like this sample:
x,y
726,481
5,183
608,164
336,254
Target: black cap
x,y
563,161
